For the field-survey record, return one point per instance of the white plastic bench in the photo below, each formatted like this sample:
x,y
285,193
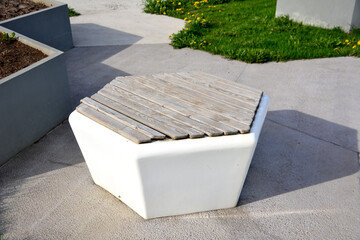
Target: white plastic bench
x,y
170,144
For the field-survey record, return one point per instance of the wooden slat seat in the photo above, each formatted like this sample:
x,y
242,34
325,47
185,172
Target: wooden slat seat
x,y
173,106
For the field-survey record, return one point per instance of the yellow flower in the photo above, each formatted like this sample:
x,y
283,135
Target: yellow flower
x,y
192,15
336,49
189,21
185,19
188,13
219,10
179,3
354,46
203,14
358,42
209,43
157,1
186,29
198,18
346,41
194,42
164,13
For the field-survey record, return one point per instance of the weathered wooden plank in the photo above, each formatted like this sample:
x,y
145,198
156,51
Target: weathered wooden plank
x,y
114,125
226,84
219,121
193,133
202,102
140,117
231,84
153,134
165,121
203,127
245,99
199,91
173,103
179,105
209,103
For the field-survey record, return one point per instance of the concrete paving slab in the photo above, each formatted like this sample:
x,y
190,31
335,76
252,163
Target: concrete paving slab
x,y
127,17
324,88
304,181
90,68
297,187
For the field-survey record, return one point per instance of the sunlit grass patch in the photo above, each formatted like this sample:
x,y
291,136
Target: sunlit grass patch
x,y
247,30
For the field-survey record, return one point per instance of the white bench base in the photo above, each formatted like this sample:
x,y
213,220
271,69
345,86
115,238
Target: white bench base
x,y
166,178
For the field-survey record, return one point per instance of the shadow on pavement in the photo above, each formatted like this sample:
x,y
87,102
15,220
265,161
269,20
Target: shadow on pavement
x,y
87,72
89,34
287,159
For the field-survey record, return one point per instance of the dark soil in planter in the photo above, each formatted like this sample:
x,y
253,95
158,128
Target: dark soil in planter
x,y
14,56
14,8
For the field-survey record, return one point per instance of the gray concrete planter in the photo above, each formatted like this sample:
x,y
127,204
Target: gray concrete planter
x,y
323,13
33,100
50,26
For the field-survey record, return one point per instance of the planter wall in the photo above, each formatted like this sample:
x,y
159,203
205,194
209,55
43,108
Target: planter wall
x,y
50,26
33,100
323,13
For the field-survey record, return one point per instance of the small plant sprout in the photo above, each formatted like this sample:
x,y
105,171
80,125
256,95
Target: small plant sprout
x,y
7,37
73,13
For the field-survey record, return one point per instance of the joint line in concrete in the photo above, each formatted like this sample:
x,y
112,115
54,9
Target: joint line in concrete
x,y
318,138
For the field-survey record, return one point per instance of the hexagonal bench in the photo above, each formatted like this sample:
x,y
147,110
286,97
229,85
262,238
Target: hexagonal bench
x,y
170,144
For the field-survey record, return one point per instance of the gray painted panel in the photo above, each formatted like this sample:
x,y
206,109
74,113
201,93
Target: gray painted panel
x,y
50,26
32,103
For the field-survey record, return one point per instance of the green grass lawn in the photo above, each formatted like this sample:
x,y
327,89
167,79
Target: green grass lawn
x,y
247,30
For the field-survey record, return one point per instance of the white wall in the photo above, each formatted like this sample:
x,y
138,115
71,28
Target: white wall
x,y
324,13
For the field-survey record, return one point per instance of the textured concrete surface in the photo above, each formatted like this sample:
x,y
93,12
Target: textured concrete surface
x,y
304,181
114,22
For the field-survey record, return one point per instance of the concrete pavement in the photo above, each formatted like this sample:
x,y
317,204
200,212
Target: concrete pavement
x,y
304,181
119,22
